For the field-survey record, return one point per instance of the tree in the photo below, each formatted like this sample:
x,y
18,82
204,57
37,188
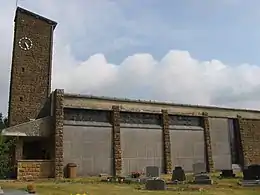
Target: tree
x,y
5,150
2,122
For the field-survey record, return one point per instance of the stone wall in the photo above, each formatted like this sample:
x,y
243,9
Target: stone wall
x,y
34,169
250,140
31,69
117,153
166,142
208,145
58,136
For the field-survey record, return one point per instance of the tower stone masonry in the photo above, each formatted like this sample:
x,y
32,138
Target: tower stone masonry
x,y
30,83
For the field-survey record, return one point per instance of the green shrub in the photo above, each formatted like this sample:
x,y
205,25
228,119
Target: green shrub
x,y
6,146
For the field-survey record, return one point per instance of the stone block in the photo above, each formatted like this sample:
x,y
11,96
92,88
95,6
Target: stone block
x,y
250,183
203,179
152,171
227,174
178,174
155,184
199,168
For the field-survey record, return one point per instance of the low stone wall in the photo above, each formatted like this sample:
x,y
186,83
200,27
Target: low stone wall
x,y
34,169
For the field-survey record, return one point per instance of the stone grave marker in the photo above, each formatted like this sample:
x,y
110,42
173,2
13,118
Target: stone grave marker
x,y
199,168
155,184
227,174
15,192
201,177
152,171
236,168
178,175
251,175
255,170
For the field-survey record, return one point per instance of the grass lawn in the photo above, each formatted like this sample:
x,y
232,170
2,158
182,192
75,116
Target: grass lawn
x,y
94,187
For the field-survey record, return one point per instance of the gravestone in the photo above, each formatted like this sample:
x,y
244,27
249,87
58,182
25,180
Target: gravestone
x,y
255,170
251,175
178,174
251,172
236,168
199,168
227,174
247,174
201,177
15,192
155,184
152,171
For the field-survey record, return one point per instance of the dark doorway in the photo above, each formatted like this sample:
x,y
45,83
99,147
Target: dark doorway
x,y
36,149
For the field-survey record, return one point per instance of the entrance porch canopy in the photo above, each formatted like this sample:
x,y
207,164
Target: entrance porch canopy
x,y
41,127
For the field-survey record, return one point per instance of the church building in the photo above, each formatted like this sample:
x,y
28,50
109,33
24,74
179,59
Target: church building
x,y
106,134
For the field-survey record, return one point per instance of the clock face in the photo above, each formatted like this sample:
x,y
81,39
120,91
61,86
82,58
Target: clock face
x,y
25,43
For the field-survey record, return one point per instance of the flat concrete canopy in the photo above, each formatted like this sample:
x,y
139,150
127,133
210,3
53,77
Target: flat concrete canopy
x,y
37,128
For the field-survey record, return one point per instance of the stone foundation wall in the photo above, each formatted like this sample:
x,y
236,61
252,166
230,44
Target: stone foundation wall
x,y
34,169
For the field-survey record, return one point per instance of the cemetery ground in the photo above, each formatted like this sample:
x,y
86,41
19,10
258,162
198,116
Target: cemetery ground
x,y
93,185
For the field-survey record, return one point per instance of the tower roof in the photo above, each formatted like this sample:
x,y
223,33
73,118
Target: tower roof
x,y
22,10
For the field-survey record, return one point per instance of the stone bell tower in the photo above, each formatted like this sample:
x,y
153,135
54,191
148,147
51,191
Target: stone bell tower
x,y
30,83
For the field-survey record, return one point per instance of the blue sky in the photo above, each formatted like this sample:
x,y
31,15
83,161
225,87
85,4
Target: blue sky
x,y
149,49
222,30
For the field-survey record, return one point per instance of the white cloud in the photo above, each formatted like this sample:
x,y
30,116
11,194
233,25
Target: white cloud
x,y
177,77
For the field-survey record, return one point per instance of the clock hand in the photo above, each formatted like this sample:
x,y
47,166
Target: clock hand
x,y
26,45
